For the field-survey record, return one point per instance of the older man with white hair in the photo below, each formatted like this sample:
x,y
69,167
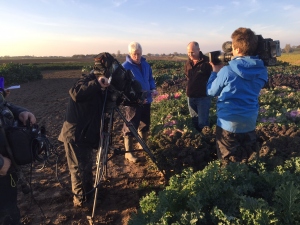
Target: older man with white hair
x,y
139,116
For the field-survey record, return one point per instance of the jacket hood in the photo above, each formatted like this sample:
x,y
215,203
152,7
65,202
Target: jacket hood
x,y
249,67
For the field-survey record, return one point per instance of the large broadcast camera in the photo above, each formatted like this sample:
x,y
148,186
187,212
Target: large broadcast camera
x,y
123,89
22,144
267,50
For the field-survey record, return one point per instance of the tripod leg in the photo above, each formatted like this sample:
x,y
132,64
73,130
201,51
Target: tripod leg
x,y
139,139
101,162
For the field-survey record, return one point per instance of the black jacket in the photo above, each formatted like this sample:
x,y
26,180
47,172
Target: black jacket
x,y
197,76
83,116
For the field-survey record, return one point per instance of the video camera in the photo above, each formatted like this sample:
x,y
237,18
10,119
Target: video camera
x,y
25,144
123,87
267,50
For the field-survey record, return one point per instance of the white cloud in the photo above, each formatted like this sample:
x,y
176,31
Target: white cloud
x,y
235,3
118,3
188,9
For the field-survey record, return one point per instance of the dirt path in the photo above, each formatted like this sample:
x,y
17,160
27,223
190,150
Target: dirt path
x,y
51,203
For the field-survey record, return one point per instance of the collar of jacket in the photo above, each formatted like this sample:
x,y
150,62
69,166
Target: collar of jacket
x,y
129,59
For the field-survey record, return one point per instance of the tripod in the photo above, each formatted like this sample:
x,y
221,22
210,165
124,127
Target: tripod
x,y
103,150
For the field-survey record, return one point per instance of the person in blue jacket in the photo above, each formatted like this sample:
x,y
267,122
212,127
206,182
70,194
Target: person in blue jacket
x,y
237,86
139,116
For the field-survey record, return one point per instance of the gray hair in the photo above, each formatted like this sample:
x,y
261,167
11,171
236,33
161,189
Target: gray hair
x,y
133,46
194,43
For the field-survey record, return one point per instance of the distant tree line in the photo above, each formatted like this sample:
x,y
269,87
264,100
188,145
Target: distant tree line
x,y
288,48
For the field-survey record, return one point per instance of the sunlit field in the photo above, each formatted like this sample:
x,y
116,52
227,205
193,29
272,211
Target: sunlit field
x,y
292,58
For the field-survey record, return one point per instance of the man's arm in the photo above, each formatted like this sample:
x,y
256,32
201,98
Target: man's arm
x,y
216,82
87,86
151,80
22,114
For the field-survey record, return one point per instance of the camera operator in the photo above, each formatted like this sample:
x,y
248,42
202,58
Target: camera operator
x,y
237,86
9,211
80,132
197,71
139,116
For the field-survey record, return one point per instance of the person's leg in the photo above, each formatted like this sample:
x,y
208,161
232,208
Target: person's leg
x,y
80,166
133,115
237,147
249,146
226,143
193,111
85,156
203,106
144,126
9,211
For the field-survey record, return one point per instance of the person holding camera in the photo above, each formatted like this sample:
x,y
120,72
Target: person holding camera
x,y
139,116
9,211
237,86
80,132
197,71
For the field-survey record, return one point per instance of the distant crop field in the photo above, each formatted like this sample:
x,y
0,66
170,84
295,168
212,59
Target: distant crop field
x,y
292,58
52,60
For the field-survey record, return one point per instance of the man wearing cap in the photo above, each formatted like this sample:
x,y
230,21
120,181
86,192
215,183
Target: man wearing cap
x,y
80,132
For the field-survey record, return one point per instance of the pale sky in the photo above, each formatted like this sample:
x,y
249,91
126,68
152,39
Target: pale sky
x,y
69,27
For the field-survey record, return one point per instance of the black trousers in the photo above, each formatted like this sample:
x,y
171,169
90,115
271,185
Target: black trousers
x,y
235,146
9,211
80,164
139,117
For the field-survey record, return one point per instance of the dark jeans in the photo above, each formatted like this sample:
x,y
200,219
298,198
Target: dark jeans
x,y
139,117
9,211
199,111
80,164
235,146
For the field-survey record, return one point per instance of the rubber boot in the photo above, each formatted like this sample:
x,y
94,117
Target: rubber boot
x,y
128,144
144,136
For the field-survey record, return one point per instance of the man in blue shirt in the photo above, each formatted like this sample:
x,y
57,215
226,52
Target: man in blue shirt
x,y
237,86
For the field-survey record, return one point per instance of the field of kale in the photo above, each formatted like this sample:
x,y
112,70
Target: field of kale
x,y
188,185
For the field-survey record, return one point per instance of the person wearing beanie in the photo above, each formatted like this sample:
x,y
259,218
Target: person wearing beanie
x,y
80,131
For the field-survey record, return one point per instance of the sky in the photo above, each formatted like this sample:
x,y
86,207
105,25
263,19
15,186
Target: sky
x,y
71,27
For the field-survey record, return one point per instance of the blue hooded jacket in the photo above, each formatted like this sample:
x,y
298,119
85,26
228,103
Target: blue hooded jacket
x,y
142,74
238,86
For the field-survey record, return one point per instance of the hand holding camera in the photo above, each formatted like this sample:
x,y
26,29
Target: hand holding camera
x,y
103,81
216,68
27,116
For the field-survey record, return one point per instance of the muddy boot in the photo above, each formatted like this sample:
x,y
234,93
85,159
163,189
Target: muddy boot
x,y
128,144
144,136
